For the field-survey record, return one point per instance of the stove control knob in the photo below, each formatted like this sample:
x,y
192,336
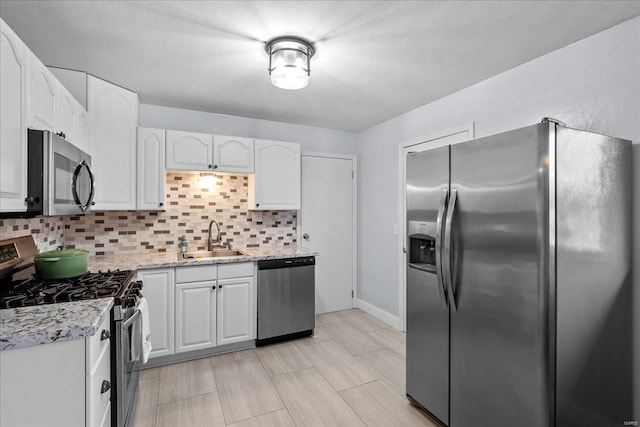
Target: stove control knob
x,y
105,335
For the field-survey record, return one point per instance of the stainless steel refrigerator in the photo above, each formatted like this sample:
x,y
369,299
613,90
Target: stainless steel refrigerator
x,y
519,279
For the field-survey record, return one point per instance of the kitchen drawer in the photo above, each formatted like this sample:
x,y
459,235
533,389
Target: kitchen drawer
x,y
240,269
97,402
95,344
196,273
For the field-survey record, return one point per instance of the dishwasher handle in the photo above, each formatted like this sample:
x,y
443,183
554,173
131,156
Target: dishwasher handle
x,y
272,264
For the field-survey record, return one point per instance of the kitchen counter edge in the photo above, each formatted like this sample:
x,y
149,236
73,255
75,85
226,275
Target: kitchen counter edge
x,y
43,324
148,261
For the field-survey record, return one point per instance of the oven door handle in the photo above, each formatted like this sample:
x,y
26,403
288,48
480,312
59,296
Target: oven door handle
x,y
131,319
136,336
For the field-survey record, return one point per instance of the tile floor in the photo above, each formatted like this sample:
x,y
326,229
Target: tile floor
x,y
352,373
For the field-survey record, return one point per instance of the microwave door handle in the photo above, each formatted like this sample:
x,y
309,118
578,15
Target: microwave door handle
x,y
74,186
92,181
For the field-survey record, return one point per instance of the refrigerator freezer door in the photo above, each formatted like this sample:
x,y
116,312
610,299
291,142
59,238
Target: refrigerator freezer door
x,y
499,271
427,311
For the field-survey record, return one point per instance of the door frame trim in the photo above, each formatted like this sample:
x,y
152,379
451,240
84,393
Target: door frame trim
x,y
354,213
402,283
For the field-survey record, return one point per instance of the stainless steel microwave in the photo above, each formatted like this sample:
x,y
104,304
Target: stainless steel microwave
x,y
59,178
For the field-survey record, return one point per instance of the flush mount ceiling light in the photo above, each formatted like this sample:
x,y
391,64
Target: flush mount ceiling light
x,y
289,62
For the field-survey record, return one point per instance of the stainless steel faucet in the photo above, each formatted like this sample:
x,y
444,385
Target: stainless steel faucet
x,y
210,240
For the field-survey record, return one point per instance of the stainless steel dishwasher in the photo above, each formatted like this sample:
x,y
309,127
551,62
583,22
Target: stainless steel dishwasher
x,y
286,299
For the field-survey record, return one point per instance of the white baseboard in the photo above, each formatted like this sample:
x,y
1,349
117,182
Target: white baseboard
x,y
379,313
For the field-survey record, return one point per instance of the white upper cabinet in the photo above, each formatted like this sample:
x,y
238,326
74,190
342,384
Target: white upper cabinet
x,y
189,151
81,131
151,169
66,114
113,116
52,107
13,123
43,87
232,154
276,183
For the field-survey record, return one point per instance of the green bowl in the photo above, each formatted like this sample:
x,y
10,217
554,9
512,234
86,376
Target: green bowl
x,y
61,264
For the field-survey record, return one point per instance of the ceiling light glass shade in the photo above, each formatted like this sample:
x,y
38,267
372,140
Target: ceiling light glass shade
x,y
289,62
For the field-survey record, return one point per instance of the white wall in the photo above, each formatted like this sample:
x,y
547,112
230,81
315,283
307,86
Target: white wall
x,y
593,84
312,138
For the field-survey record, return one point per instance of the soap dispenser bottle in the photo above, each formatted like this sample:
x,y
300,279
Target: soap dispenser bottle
x,y
183,245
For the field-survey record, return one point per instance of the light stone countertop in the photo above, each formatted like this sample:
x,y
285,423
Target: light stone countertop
x,y
27,326
145,261
41,324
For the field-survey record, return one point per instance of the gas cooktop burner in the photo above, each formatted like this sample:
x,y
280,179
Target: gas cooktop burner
x,y
89,286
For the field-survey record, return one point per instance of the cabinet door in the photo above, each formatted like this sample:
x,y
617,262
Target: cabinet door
x,y
236,310
276,183
113,115
13,125
42,95
159,289
65,114
81,131
151,172
195,316
232,154
189,151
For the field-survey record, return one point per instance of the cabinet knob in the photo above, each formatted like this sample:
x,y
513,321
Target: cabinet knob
x,y
105,387
215,166
257,204
161,204
105,335
219,286
93,203
210,166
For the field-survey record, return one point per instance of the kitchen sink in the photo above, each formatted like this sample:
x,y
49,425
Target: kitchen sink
x,y
215,253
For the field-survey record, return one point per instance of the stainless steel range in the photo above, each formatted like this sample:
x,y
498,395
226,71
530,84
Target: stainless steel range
x,y
20,288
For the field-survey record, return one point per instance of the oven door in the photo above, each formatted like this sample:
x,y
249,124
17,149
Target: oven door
x,y
128,363
71,180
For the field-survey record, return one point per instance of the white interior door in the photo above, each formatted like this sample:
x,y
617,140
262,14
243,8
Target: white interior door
x,y
327,225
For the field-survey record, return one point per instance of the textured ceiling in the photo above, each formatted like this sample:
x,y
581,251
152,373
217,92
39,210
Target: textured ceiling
x,y
374,60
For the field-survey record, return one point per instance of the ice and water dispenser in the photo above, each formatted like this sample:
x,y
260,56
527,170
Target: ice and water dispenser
x,y
422,245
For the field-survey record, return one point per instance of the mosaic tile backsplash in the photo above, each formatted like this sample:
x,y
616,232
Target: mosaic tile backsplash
x,y
189,209
46,232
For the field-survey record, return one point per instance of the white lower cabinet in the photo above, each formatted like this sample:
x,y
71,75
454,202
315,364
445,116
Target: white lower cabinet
x,y
199,307
195,316
236,310
57,384
159,288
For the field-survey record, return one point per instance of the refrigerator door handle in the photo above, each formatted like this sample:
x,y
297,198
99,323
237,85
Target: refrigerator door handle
x,y
439,223
447,249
